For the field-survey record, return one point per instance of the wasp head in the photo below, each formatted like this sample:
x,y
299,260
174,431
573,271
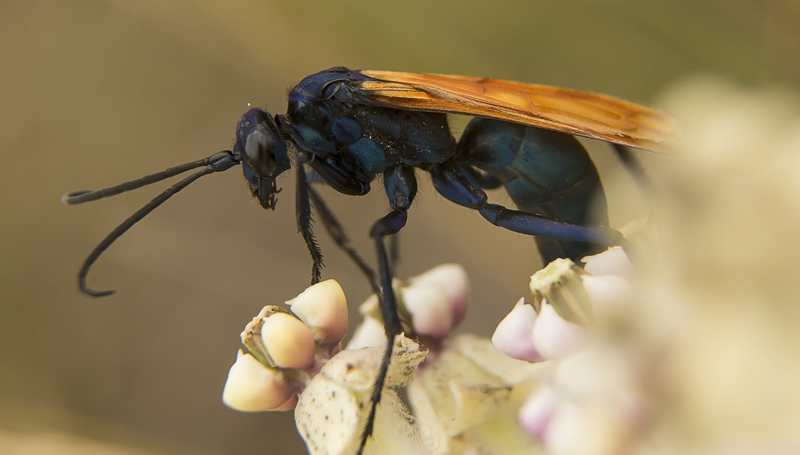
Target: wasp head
x,y
263,154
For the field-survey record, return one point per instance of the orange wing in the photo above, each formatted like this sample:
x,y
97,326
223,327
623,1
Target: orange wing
x,y
560,109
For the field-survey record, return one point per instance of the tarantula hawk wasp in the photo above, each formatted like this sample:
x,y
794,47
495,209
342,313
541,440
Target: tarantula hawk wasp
x,y
351,126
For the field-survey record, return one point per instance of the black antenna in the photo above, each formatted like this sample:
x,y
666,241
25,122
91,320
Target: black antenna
x,y
79,197
218,162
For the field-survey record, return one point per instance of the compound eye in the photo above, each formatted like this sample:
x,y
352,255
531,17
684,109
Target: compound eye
x,y
256,148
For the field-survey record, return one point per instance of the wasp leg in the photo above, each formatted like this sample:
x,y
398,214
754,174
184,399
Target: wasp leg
x,y
335,173
545,172
532,224
303,209
394,252
336,231
484,179
457,185
401,187
388,225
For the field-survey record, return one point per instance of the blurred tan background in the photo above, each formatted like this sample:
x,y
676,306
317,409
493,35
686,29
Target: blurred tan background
x,y
98,92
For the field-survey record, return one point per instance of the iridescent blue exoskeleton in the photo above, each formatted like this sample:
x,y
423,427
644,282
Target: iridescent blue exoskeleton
x,y
351,126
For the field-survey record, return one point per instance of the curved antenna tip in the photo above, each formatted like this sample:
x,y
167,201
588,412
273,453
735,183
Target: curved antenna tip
x,y
94,293
69,198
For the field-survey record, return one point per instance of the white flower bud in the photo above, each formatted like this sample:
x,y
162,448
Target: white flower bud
x,y
369,333
513,334
431,312
612,261
453,280
323,307
253,387
287,341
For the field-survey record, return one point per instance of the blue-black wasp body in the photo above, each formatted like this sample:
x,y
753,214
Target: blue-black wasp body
x,y
348,140
353,126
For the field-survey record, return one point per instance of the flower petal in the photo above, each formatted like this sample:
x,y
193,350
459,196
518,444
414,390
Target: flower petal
x,y
537,411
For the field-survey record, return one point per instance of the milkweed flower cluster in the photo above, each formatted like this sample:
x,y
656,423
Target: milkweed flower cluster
x,y
589,403
565,301
292,358
464,396
284,346
434,303
461,395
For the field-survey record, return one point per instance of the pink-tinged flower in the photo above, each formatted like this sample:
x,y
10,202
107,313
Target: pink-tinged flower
x,y
537,411
585,383
452,280
513,333
553,336
434,303
607,292
460,397
436,300
295,361
430,309
565,302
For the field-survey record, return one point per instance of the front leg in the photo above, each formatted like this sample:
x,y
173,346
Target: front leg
x,y
303,211
336,231
340,177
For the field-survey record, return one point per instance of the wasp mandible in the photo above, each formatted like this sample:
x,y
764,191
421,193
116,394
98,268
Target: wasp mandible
x,y
348,127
